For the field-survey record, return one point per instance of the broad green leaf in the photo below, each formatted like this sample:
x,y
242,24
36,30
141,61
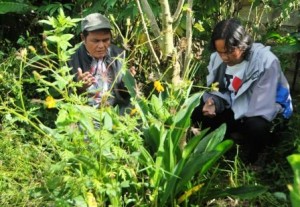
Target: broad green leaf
x,y
79,201
187,107
13,6
173,181
63,118
287,49
210,141
52,132
194,164
145,158
132,88
192,143
130,83
82,114
280,196
53,38
159,168
66,37
182,118
274,35
64,44
86,121
169,156
108,123
199,161
199,27
294,161
243,192
110,3
152,137
222,148
45,22
61,82
202,162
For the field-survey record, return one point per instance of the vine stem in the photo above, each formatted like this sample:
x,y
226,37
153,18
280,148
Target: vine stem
x,y
147,33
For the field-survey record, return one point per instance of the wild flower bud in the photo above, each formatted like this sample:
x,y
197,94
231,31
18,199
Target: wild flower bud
x,y
32,49
44,43
128,22
23,53
44,36
36,75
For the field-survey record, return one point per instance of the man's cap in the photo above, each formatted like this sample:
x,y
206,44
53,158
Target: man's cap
x,y
95,21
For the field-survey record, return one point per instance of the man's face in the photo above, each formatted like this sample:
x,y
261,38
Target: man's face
x,y
97,43
230,58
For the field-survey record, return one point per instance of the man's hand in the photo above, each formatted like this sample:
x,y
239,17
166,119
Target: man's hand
x,y
209,108
87,78
132,70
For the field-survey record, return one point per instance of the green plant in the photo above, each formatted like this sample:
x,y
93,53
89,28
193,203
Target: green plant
x,y
22,163
53,8
21,6
171,161
93,163
92,151
294,189
285,44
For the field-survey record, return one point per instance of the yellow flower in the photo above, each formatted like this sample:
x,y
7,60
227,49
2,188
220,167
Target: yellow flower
x,y
50,102
133,111
158,86
91,200
215,86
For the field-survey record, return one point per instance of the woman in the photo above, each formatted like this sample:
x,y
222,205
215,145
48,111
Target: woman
x,y
253,91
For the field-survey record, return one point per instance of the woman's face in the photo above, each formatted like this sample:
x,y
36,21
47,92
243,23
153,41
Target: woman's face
x,y
230,58
97,43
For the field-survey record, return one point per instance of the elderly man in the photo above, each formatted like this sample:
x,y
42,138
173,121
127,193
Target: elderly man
x,y
97,63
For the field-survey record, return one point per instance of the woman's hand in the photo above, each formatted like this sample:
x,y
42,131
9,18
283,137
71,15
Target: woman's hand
x,y
87,78
209,108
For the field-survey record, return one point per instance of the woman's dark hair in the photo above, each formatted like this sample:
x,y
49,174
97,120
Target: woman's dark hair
x,y
86,33
234,35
